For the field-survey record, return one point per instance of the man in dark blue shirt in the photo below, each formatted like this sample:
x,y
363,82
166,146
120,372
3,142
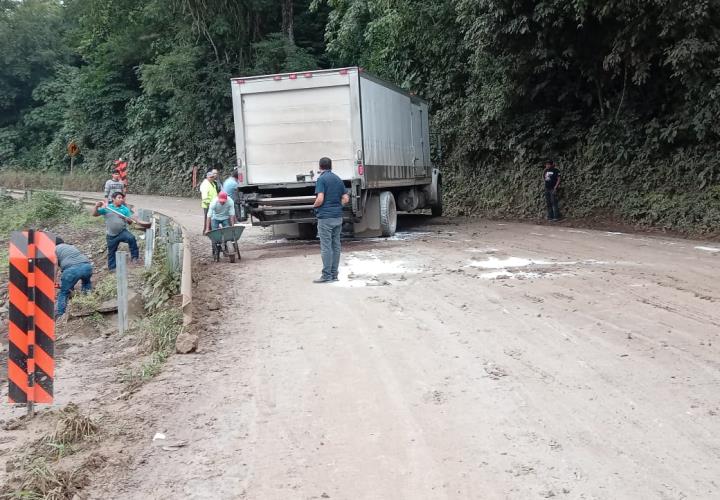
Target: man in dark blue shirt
x,y
331,195
551,177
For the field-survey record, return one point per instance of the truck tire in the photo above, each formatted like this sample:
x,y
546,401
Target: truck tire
x,y
437,208
388,214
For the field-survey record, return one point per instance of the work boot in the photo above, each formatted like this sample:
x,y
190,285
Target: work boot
x,y
323,280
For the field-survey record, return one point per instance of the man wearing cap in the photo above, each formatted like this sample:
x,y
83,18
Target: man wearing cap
x,y
551,178
208,192
117,216
221,212
74,266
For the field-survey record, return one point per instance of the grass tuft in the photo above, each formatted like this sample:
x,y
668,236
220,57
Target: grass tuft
x,y
72,426
157,335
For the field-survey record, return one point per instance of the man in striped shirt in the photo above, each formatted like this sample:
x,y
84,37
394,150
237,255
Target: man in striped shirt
x,y
114,185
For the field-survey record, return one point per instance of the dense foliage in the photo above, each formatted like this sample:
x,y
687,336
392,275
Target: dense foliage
x,y
625,95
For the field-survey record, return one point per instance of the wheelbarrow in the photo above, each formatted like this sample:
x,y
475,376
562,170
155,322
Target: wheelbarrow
x,y
224,241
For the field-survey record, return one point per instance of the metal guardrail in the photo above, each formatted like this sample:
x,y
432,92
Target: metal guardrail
x,y
164,228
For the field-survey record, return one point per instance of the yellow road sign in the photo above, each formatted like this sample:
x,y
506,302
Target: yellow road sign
x,y
73,149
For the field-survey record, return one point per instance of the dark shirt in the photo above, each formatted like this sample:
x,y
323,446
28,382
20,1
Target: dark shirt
x,y
551,176
68,256
334,189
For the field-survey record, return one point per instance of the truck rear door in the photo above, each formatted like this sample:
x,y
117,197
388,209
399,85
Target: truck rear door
x,y
287,126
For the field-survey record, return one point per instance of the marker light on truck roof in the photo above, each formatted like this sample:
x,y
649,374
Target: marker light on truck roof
x,y
277,78
308,75
343,72
238,81
293,76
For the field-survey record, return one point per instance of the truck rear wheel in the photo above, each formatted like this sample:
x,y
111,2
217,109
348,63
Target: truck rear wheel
x,y
437,208
388,214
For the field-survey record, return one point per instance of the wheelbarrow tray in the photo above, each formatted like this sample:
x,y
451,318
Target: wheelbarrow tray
x,y
223,237
223,234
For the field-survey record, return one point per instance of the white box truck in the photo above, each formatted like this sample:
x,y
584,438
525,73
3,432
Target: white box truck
x,y
375,133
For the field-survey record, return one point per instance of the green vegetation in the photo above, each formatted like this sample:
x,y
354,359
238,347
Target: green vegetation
x,y
43,209
160,283
39,473
625,95
104,289
22,179
156,336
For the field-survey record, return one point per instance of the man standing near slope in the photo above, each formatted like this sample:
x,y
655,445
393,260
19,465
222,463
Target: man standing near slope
x,y
117,216
331,195
208,192
230,186
114,185
551,177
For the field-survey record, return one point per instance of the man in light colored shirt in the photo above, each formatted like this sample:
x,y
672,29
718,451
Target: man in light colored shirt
x,y
74,266
230,186
117,217
114,185
221,213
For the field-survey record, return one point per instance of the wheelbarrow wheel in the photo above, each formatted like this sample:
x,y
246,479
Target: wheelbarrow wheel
x,y
216,253
232,258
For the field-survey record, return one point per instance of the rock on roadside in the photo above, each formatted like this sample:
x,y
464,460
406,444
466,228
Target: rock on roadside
x,y
186,343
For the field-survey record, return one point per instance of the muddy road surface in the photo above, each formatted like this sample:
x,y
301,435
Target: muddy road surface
x,y
459,359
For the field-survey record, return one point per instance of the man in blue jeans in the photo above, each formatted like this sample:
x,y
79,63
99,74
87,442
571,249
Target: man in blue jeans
x,y
117,217
331,195
74,267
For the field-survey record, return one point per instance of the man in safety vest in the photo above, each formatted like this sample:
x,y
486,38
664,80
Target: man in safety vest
x,y
208,192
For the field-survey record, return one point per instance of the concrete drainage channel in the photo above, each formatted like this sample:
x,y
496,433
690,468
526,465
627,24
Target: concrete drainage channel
x,y
163,230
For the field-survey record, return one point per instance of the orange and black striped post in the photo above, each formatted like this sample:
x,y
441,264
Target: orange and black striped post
x,y
31,331
121,166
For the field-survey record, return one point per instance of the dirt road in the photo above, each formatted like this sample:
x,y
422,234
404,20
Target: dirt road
x,y
455,360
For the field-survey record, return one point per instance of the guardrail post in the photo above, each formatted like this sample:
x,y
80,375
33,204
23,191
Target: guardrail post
x,y
163,224
121,272
149,245
174,247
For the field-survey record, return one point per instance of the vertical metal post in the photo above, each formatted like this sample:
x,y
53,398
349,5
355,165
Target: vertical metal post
x,y
177,249
149,245
163,223
121,272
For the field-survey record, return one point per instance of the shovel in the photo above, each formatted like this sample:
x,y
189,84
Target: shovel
x,y
142,224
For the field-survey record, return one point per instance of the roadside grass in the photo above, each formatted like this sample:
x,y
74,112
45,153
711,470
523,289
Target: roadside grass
x,y
81,181
83,220
42,209
104,289
72,426
39,473
42,481
156,335
160,283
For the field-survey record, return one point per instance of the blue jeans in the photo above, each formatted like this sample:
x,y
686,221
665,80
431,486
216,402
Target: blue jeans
x,y
329,233
217,224
113,242
551,200
69,278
